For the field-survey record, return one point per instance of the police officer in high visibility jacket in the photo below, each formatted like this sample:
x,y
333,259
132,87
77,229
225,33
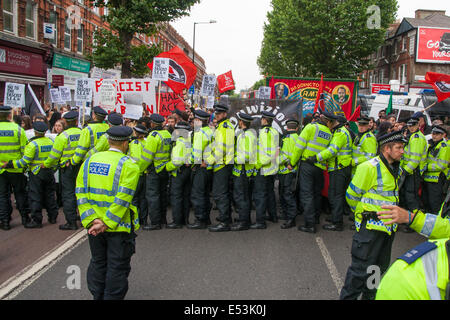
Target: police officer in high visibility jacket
x,y
42,181
338,156
201,171
62,151
113,119
90,135
314,138
267,166
436,170
154,158
243,171
179,167
287,174
12,145
374,184
105,187
365,145
222,158
135,152
420,274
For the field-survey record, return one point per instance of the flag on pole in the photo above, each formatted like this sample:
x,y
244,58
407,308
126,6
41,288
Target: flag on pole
x,y
389,108
182,71
355,114
319,95
225,82
440,83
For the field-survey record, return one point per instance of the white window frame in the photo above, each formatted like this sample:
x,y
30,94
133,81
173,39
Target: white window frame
x,y
34,13
404,46
70,36
82,38
55,44
14,18
412,41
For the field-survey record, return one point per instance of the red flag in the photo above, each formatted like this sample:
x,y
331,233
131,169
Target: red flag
x,y
319,94
182,71
225,82
355,115
440,83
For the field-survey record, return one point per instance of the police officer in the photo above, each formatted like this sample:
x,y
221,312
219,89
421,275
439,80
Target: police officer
x,y
105,187
314,138
113,119
180,168
287,175
243,171
338,156
12,145
135,152
374,184
222,157
201,171
267,166
90,135
365,145
62,151
42,189
436,170
155,156
412,163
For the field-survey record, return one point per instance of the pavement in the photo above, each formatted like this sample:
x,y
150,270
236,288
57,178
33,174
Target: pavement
x,y
271,264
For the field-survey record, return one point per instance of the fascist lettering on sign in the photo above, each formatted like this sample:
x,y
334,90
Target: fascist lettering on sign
x,y
83,90
14,95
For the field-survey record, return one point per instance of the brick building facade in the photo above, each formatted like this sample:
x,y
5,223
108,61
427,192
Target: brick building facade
x,y
22,42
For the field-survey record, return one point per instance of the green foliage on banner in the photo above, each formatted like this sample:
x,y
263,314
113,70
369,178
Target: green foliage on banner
x,y
333,37
127,19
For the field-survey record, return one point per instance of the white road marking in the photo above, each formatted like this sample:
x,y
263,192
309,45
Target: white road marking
x,y
19,282
330,264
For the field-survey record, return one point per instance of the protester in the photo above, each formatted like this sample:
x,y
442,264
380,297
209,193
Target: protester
x,y
26,122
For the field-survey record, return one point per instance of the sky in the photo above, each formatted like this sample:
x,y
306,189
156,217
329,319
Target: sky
x,y
234,42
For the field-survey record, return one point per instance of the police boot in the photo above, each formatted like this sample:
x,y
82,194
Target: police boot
x,y
240,226
258,226
221,227
174,225
288,224
25,219
197,225
333,227
33,224
307,228
4,225
69,226
152,227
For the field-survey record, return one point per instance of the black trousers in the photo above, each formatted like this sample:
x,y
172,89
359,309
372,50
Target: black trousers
x,y
287,195
156,194
369,248
242,197
221,193
201,180
339,182
18,183
42,194
264,197
311,185
140,201
180,195
68,181
409,192
107,274
434,194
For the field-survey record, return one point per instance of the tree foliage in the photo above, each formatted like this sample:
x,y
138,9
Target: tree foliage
x,y
307,38
126,19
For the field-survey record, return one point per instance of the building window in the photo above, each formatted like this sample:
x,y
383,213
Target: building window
x,y
30,20
9,15
404,44
80,39
67,37
411,45
395,46
54,20
382,76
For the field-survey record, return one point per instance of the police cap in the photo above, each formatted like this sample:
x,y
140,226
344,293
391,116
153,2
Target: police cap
x,y
220,108
40,126
363,120
115,119
141,129
412,121
202,115
157,118
71,115
119,133
396,136
244,117
329,115
183,125
267,115
5,108
438,129
100,111
342,119
292,121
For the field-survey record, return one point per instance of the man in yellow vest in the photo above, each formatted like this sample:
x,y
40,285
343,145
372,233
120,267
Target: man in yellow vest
x,y
105,187
374,184
12,145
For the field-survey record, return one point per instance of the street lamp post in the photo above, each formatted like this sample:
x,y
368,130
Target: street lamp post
x,y
193,44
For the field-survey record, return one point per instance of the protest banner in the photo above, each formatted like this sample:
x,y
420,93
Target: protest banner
x,y
83,90
160,70
108,95
169,102
225,82
55,96
65,94
264,93
14,95
208,85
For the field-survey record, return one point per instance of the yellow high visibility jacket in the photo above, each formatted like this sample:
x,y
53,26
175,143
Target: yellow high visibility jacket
x,y
105,188
289,144
12,144
268,151
373,186
338,154
36,152
89,137
437,162
432,226
63,147
156,150
135,149
101,145
222,148
245,156
181,155
364,148
201,146
415,155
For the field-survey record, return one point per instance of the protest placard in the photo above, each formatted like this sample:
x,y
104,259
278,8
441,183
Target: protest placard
x,y
160,70
264,93
208,85
83,90
65,94
14,95
108,95
55,96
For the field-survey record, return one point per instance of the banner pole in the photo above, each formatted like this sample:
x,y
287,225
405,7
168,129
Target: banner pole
x,y
430,106
84,113
159,95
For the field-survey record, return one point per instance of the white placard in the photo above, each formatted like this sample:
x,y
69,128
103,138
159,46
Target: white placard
x,y
83,90
55,96
210,102
208,85
14,95
108,95
264,92
160,69
65,94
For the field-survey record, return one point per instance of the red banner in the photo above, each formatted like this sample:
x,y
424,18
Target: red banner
x,y
225,82
170,102
377,87
433,45
339,95
440,83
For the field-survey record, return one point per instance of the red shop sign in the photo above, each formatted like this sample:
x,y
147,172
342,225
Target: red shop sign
x,y
22,62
